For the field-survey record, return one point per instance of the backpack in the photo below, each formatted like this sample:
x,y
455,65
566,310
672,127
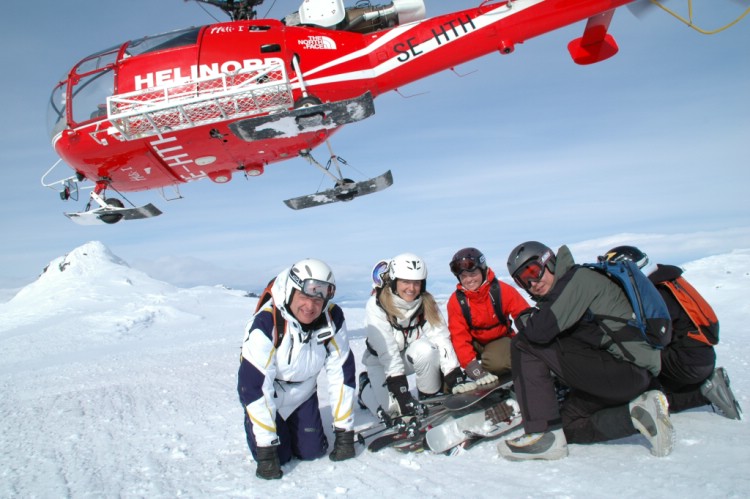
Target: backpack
x,y
650,313
697,308
497,304
279,323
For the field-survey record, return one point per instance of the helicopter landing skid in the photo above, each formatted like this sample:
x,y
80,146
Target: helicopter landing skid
x,y
345,190
110,215
305,119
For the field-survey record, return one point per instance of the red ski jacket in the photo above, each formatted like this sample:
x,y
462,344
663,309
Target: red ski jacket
x,y
487,327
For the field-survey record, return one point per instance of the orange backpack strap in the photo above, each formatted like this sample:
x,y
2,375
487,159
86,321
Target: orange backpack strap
x,y
701,314
279,323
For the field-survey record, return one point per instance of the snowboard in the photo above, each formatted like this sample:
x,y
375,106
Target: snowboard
x,y
345,191
489,422
460,401
110,215
324,116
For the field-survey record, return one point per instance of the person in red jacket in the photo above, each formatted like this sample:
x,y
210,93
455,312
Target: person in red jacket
x,y
478,317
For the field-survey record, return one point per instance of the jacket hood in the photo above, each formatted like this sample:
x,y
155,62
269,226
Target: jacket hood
x,y
564,262
664,273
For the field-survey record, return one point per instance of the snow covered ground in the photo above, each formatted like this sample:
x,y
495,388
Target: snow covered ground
x,y
118,385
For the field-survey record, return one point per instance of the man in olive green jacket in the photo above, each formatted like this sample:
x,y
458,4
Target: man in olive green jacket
x,y
560,340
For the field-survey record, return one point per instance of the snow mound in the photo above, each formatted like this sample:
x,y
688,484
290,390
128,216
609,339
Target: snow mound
x,y
97,294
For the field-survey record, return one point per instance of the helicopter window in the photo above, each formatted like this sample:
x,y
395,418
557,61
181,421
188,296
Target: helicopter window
x,y
164,41
56,110
98,60
269,48
90,95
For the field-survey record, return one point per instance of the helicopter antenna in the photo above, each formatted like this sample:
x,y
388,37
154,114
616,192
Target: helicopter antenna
x,y
236,9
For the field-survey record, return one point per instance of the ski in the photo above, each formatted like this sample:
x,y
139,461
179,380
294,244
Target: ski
x,y
458,401
491,421
409,433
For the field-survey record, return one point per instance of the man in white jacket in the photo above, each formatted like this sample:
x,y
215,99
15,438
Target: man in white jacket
x,y
288,342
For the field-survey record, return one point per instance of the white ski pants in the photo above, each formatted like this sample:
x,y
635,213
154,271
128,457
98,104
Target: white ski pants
x,y
421,358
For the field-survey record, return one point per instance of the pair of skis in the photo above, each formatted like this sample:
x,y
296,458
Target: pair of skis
x,y
450,421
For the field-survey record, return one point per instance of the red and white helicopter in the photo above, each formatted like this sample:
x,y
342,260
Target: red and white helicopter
x,y
234,97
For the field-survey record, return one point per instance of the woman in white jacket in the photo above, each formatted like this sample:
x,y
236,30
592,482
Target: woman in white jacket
x,y
406,334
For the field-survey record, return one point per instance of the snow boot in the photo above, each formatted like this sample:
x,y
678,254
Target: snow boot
x,y
716,390
650,416
549,446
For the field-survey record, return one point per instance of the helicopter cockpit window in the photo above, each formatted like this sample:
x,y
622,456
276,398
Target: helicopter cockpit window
x,y
98,60
164,41
56,110
90,95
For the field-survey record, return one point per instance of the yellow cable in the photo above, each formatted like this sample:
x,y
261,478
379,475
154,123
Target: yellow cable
x,y
689,22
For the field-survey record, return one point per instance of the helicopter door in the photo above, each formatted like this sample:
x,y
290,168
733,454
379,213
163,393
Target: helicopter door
x,y
248,56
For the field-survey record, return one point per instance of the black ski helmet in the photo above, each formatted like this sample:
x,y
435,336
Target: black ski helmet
x,y
468,259
528,251
620,253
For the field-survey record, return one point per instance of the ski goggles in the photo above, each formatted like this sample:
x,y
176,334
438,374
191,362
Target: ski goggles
x,y
378,272
464,265
529,273
314,288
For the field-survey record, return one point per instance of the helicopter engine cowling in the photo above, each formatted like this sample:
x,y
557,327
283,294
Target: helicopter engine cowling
x,y
376,17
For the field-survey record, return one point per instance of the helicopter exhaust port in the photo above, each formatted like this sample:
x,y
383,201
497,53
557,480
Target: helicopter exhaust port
x,y
506,47
220,177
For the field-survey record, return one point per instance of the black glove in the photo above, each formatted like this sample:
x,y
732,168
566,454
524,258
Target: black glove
x,y
268,463
457,382
454,378
474,370
479,374
399,388
343,445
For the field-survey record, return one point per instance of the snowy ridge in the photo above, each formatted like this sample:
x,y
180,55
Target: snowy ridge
x,y
116,384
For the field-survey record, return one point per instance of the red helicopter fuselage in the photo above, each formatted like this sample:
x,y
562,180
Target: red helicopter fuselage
x,y
169,109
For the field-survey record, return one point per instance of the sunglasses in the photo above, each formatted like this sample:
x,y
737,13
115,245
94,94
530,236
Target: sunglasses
x,y
464,265
314,288
529,273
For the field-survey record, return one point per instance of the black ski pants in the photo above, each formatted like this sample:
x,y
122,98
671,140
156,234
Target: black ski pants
x,y
683,371
601,386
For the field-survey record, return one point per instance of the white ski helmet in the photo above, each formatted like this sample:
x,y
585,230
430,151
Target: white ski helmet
x,y
313,278
407,266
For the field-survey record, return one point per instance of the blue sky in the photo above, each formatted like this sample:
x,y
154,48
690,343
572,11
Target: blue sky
x,y
649,147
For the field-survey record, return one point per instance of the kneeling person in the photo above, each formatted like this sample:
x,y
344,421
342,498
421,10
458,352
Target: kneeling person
x,y
288,342
609,372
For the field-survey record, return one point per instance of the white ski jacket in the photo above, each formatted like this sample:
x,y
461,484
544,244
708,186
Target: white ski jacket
x,y
278,380
389,342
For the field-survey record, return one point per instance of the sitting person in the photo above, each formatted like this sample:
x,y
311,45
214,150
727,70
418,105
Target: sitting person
x,y
608,373
689,376
406,334
478,314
